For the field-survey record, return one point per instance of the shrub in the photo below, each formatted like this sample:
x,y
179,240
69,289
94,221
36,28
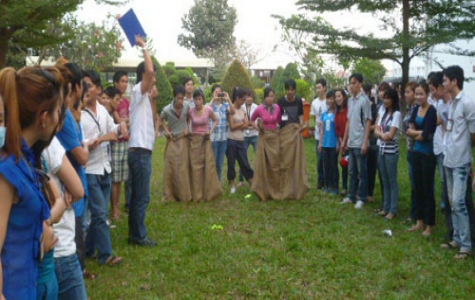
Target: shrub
x,y
258,95
165,92
257,83
291,72
303,89
236,75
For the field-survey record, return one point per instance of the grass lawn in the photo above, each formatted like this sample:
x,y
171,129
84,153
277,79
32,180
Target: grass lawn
x,y
311,249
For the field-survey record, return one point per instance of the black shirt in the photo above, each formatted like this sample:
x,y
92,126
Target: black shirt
x,y
293,109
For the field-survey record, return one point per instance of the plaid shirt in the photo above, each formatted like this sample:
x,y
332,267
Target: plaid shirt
x,y
221,112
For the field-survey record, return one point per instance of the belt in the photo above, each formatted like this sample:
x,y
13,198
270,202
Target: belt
x,y
140,150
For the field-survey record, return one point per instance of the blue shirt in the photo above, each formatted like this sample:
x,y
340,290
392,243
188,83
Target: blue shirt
x,y
221,130
426,146
330,139
70,138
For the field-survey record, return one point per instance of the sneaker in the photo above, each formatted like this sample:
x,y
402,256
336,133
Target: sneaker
x,y
346,200
359,204
233,190
144,243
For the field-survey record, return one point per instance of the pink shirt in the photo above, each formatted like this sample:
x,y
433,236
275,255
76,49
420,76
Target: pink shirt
x,y
200,124
123,111
269,121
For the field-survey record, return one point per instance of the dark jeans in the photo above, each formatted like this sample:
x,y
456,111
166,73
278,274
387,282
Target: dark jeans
x,y
98,234
424,176
373,154
79,239
358,175
236,151
140,170
70,278
248,141
344,174
410,158
470,209
320,166
330,167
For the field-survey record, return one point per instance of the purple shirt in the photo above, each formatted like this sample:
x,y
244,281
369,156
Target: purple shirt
x,y
269,120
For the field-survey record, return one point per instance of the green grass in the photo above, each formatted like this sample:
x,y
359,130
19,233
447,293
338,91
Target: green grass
x,y
310,249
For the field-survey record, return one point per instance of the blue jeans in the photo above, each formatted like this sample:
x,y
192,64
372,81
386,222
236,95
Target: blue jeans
x,y
219,150
456,187
320,168
248,141
358,169
70,278
388,167
140,170
98,235
410,155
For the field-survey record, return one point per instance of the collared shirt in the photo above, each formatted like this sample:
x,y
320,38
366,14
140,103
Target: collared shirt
x,y
176,124
359,111
142,129
458,150
221,130
190,101
94,126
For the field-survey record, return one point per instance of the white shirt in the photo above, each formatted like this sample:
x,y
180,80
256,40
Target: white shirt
x,y
95,126
381,112
250,132
142,129
458,150
443,113
65,230
319,106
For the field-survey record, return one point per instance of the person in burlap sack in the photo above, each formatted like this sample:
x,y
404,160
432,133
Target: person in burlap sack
x,y
205,185
176,174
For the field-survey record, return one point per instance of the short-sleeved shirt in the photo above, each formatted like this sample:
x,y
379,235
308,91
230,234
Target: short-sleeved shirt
x,y
293,110
249,112
123,110
330,140
70,137
443,113
176,123
200,124
385,123
458,149
319,106
238,118
142,129
359,111
220,133
270,116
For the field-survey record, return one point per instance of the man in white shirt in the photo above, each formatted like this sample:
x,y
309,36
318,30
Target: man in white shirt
x,y
98,125
142,139
460,131
319,106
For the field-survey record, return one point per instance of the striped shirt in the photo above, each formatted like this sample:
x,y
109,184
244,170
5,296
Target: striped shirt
x,y
385,123
221,130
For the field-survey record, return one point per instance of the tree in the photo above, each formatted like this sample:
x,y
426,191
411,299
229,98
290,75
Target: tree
x,y
209,32
414,26
24,23
291,72
373,70
303,89
236,75
277,81
92,46
165,92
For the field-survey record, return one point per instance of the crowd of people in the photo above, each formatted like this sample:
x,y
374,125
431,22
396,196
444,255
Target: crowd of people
x,y
68,147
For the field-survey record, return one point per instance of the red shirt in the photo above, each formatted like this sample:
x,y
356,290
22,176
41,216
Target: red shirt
x,y
341,118
123,111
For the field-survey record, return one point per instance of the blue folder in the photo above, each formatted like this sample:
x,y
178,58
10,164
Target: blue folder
x,y
131,26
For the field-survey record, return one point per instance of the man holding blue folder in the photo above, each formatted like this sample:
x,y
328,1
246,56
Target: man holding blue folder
x,y
142,139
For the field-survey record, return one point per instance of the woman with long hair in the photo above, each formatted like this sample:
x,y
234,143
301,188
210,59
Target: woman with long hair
x,y
341,118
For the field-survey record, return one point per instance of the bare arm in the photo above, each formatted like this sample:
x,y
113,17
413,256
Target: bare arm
x,y
70,179
233,126
81,154
149,74
215,121
364,147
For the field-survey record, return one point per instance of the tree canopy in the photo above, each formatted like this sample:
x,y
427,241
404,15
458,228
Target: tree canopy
x,y
373,71
411,28
236,75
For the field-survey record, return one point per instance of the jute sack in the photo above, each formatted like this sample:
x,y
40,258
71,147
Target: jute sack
x,y
205,185
176,173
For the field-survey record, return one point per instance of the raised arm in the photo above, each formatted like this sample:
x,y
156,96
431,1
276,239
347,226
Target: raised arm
x,y
148,78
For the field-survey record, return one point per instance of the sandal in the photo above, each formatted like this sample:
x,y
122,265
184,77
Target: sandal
x,y
462,255
451,245
88,275
113,261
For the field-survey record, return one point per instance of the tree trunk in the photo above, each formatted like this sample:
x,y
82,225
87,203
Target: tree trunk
x,y
405,50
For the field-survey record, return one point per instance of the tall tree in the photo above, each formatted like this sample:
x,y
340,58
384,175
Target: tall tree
x,y
411,28
209,32
26,23
236,75
373,71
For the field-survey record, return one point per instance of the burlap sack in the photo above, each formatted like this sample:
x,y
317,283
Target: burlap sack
x,y
205,185
280,171
176,173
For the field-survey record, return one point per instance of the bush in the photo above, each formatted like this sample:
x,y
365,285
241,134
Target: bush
x,y
192,75
257,83
236,75
165,92
291,72
303,89
258,95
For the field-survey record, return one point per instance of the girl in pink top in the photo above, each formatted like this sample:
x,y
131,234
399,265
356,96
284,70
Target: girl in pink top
x,y
268,112
200,115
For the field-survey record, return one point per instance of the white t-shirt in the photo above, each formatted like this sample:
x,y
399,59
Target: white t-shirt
x,y
443,113
319,106
142,129
65,230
